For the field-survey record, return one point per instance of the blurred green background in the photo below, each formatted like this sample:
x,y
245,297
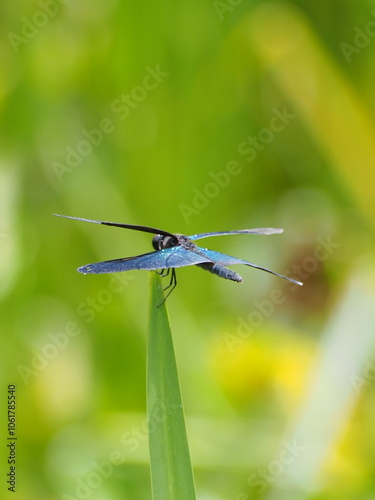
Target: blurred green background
x,y
192,117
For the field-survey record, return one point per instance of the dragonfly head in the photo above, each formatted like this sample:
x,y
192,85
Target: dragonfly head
x,y
162,241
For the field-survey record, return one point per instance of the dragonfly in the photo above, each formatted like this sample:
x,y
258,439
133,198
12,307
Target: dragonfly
x,y
174,250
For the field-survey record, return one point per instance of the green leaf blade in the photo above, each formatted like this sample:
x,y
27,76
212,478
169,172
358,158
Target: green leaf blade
x,y
171,472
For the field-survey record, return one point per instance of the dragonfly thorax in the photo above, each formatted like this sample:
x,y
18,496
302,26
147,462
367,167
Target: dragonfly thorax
x,y
162,241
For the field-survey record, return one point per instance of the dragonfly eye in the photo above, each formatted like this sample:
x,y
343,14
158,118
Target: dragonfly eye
x,y
161,241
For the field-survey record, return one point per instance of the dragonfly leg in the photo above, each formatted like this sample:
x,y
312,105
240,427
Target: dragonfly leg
x,y
162,272
172,284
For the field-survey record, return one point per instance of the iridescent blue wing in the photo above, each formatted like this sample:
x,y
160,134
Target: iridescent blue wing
x,y
260,230
227,260
163,259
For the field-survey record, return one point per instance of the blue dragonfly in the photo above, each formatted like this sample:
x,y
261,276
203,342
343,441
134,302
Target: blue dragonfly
x,y
173,250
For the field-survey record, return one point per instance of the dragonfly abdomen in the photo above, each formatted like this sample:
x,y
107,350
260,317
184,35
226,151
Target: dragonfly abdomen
x,y
221,271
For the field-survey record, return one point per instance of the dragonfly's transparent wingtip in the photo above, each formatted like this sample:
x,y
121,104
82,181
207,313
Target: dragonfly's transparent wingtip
x,y
271,230
66,216
296,282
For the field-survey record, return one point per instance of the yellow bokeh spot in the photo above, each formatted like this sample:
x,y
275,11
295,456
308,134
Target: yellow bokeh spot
x,y
270,362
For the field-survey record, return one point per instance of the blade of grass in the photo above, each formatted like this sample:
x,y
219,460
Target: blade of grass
x,y
171,472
